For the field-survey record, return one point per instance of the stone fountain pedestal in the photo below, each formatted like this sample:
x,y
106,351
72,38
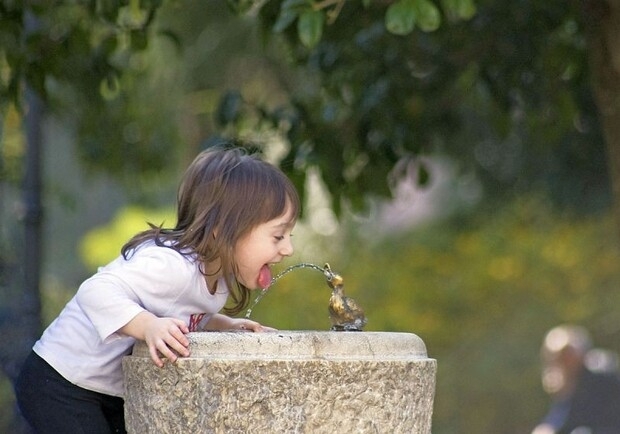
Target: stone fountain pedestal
x,y
284,382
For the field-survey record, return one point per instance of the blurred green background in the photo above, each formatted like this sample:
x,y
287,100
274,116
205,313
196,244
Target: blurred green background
x,y
454,173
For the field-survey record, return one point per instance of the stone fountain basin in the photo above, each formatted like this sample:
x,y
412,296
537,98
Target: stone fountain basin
x,y
301,345
284,382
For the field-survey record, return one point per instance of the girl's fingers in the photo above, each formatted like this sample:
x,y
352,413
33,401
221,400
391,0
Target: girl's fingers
x,y
178,341
166,351
169,342
155,356
182,326
256,327
178,344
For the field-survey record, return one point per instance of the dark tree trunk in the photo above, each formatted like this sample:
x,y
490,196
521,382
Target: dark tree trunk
x,y
602,19
33,219
25,317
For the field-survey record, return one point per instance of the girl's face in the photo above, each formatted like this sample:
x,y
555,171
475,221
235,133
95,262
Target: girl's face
x,y
267,244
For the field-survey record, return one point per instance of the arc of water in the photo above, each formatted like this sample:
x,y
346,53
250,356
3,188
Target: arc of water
x,y
277,277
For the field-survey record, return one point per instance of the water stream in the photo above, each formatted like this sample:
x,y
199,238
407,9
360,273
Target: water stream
x,y
323,270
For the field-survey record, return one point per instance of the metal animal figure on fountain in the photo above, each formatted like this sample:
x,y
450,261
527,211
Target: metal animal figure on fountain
x,y
344,313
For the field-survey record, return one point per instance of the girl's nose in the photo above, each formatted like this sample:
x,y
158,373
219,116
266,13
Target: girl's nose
x,y
287,247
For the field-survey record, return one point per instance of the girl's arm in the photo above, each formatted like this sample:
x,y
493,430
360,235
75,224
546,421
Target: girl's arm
x,y
162,336
223,322
133,298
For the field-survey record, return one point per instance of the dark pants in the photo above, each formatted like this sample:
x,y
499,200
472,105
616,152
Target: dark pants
x,y
52,404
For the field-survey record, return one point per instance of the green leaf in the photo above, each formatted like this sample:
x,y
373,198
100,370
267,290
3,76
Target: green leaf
x,y
241,6
285,19
400,17
459,9
428,15
310,27
289,11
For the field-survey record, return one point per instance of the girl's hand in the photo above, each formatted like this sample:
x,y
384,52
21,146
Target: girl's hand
x,y
249,325
163,336
224,322
166,337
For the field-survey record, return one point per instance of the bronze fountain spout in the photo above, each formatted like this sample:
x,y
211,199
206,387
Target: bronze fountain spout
x,y
344,312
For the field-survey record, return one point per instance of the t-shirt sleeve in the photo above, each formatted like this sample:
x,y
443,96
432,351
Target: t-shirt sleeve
x,y
152,279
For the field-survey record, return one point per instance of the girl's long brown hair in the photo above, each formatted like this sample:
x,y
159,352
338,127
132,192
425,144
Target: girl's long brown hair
x,y
228,192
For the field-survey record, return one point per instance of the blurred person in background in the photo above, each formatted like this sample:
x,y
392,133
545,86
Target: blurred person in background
x,y
583,383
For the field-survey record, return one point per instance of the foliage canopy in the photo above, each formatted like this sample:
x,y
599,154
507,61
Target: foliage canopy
x,y
502,87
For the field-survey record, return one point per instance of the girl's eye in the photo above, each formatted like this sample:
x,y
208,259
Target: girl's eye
x,y
280,237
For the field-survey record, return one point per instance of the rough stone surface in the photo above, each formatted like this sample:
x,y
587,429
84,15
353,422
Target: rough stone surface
x,y
285,382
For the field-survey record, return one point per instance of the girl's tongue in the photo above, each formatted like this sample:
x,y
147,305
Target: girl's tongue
x,y
264,277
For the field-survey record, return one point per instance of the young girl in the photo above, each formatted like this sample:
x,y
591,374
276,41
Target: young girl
x,y
235,214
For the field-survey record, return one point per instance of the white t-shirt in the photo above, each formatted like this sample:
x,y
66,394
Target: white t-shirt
x,y
82,343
